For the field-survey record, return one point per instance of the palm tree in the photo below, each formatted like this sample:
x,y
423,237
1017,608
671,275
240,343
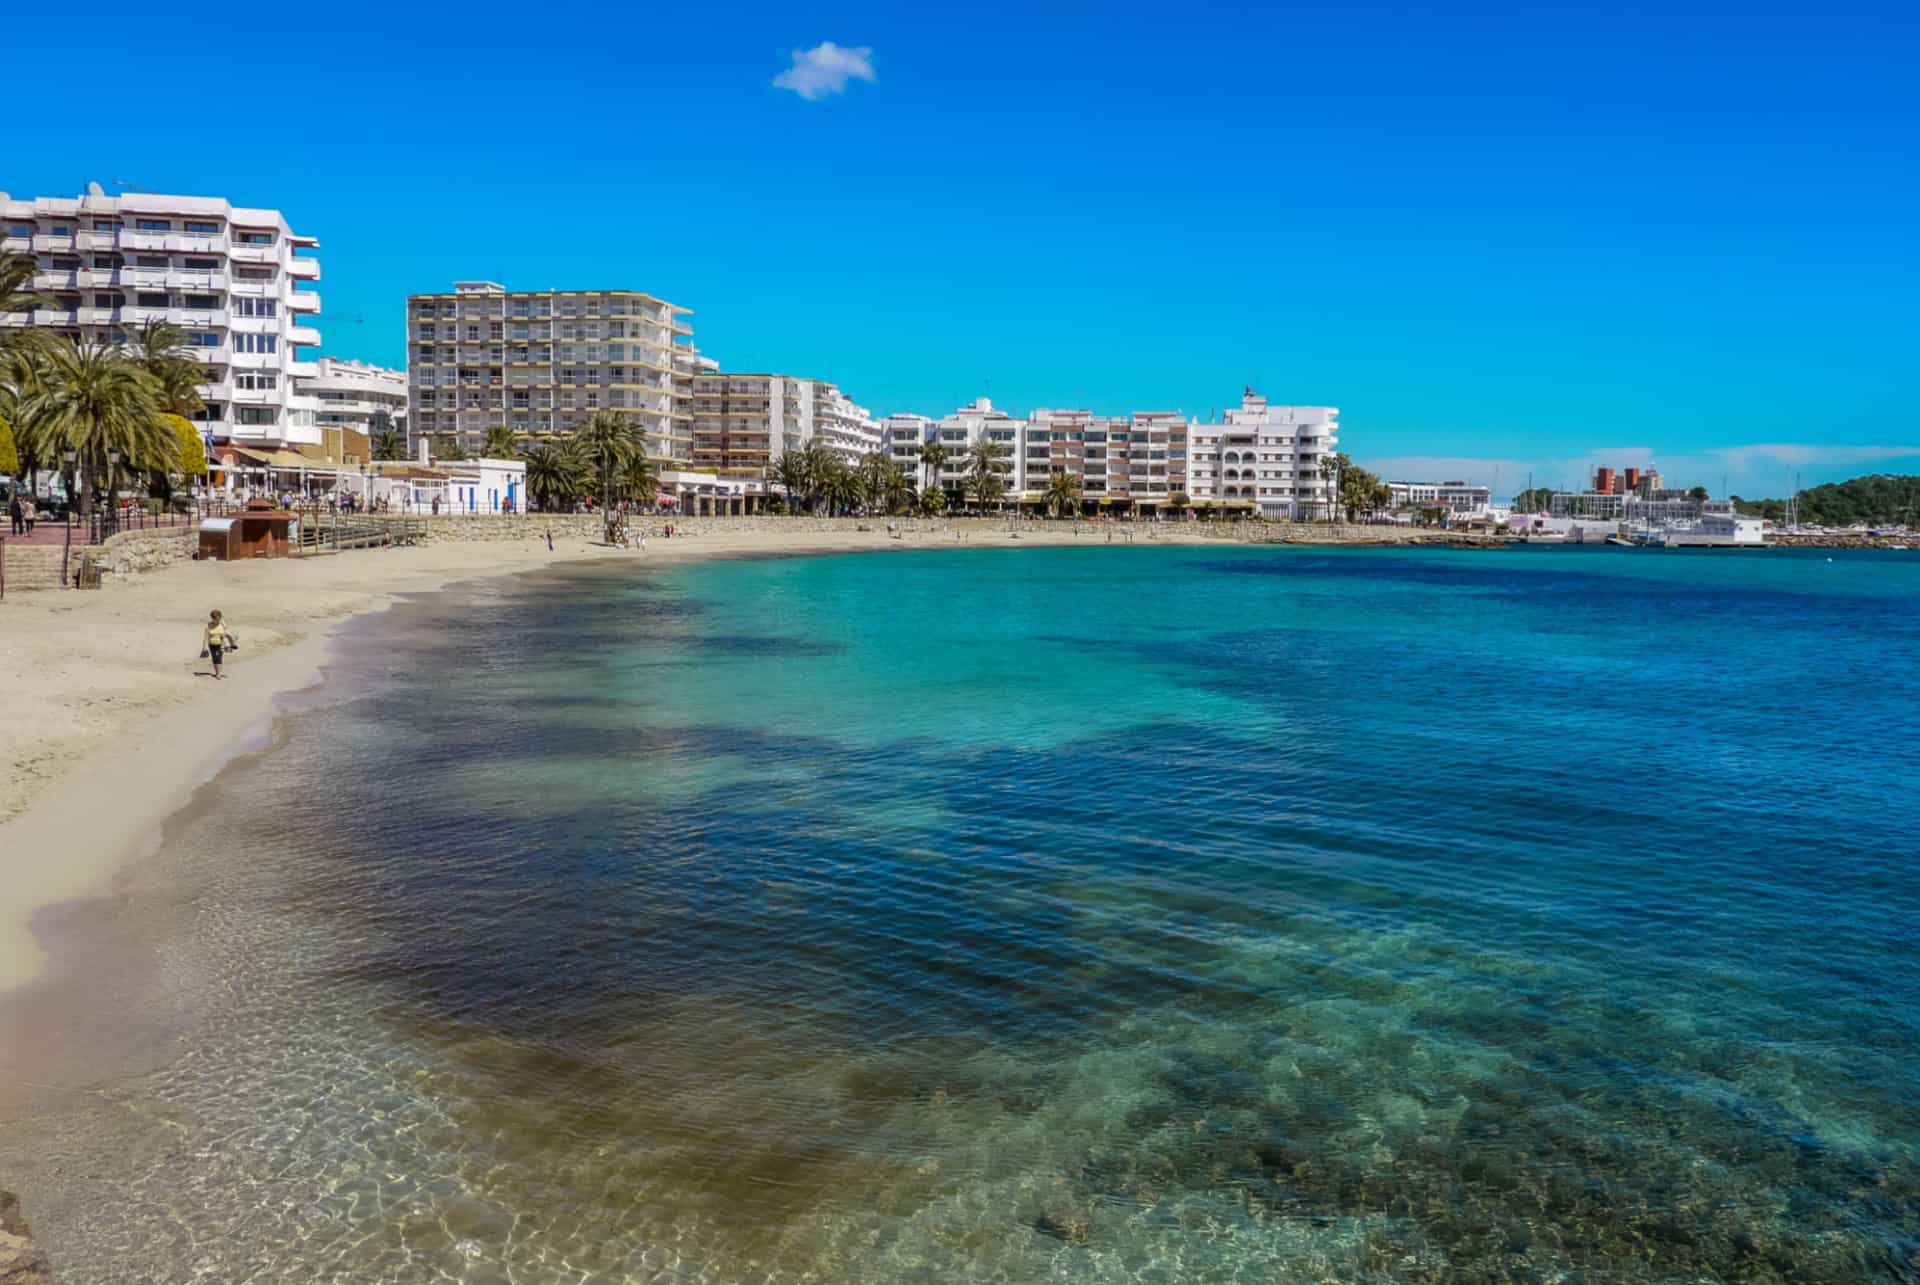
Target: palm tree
x,y
608,442
16,295
840,487
556,475
499,444
452,449
641,481
162,352
389,445
789,473
931,500
95,400
875,470
933,457
1329,471
986,473
1062,495
896,494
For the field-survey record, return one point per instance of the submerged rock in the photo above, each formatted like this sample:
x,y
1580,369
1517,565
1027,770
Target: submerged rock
x,y
21,1261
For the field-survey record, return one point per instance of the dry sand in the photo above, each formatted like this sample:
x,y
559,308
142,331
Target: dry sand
x,y
112,721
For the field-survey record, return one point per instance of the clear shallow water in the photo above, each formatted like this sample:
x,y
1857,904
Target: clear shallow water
x,y
1107,915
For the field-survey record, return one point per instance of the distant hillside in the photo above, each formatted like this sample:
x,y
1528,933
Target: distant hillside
x,y
1879,500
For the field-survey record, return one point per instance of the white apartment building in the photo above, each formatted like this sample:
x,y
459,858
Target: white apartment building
x,y
1459,499
1265,459
542,362
232,278
351,395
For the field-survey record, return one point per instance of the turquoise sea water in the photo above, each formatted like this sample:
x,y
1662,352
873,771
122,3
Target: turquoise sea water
x,y
1100,914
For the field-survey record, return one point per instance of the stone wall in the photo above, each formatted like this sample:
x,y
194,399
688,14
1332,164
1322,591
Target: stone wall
x,y
135,551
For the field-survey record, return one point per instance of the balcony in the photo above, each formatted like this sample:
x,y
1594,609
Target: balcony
x,y
304,301
62,279
49,244
191,280
304,269
198,318
133,240
309,336
259,254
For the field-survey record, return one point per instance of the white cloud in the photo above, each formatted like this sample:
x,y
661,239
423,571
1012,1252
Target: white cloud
x,y
825,69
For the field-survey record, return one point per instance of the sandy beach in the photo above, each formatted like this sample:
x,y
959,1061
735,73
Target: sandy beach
x,y
107,700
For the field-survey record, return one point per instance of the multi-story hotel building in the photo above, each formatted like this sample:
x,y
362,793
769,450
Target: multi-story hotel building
x,y
542,362
1265,459
1121,462
744,423
352,396
1262,458
232,278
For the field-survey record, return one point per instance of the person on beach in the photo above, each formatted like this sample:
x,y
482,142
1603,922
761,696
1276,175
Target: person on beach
x,y
18,514
30,512
216,642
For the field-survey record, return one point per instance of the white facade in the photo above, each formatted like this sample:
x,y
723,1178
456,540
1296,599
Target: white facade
x,y
1459,499
485,485
226,275
349,394
1266,458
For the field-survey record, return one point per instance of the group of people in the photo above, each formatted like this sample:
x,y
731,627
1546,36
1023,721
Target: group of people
x,y
23,512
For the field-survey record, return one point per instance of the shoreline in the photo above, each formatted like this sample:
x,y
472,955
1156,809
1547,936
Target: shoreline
x,y
107,704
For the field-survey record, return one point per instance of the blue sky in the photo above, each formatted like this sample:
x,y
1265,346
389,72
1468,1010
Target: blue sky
x,y
1501,237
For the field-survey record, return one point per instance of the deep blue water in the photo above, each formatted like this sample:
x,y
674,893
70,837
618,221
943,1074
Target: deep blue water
x,y
1078,914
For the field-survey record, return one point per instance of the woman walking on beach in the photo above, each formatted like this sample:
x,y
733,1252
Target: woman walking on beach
x,y
217,642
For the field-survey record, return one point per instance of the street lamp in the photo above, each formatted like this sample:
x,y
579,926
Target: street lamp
x,y
113,512
68,455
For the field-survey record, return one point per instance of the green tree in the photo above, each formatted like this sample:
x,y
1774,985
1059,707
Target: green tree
x,y
1698,494
17,269
790,473
641,480
609,441
1357,487
874,471
450,448
1537,500
1180,500
839,486
931,501
933,458
986,481
556,475
1062,495
9,452
94,400
388,445
1330,466
161,350
189,458
500,443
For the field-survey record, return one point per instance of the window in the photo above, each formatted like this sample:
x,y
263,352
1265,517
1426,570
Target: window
x,y
253,238
251,307
426,330
257,380
256,343
153,225
156,299
253,274
106,225
202,339
207,301
473,332
203,229
253,415
203,265
108,300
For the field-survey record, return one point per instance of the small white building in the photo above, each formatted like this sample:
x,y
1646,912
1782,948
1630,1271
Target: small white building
x,y
484,486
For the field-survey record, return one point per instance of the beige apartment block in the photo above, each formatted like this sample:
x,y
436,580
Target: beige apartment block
x,y
542,362
744,422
